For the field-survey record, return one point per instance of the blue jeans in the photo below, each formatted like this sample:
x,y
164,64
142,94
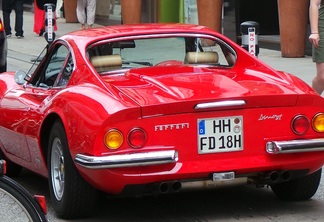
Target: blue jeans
x,y
7,7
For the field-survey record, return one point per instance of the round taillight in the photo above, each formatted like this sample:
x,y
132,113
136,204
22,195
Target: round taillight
x,y
300,124
113,139
318,123
137,138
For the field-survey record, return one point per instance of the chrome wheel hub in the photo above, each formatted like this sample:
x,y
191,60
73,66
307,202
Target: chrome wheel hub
x,y
57,169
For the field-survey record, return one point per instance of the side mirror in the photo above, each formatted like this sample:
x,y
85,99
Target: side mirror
x,y
20,77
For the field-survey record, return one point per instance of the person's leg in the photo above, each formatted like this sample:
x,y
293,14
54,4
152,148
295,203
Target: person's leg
x,y
80,12
6,10
19,10
91,12
58,8
318,81
112,6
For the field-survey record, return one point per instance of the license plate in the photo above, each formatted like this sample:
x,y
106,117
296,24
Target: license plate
x,y
217,135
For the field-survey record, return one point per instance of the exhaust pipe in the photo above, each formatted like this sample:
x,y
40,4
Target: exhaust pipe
x,y
274,176
176,186
279,176
164,187
285,175
173,186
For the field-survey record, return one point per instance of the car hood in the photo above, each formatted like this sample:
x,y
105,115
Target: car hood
x,y
180,89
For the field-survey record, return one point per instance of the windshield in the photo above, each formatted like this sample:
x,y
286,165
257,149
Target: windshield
x,y
110,56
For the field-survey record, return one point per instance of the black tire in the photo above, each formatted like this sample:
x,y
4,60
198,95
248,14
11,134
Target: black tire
x,y
299,189
18,203
13,170
72,197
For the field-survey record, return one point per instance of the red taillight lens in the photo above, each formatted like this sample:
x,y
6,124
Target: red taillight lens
x,y
300,124
137,138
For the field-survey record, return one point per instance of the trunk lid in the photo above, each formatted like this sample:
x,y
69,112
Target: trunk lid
x,y
171,90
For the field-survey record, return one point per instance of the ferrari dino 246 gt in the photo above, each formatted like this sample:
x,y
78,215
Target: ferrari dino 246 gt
x,y
158,108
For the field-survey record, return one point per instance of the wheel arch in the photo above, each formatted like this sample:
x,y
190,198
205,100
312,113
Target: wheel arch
x,y
45,132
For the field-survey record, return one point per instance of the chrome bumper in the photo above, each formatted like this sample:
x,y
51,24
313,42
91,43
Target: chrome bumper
x,y
127,160
295,146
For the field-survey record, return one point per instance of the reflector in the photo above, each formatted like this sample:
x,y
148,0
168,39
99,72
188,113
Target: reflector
x,y
42,202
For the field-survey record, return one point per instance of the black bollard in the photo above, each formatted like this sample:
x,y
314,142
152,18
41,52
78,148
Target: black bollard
x,y
250,31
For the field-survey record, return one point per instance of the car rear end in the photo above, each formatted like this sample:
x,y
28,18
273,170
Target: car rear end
x,y
246,140
238,140
203,124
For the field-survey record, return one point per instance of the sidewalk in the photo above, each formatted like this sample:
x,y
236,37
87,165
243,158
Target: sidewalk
x,y
20,51
304,67
32,45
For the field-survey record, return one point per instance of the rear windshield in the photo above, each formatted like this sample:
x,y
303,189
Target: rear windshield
x,y
113,55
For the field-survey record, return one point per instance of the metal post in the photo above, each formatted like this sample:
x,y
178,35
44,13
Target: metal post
x,y
49,22
250,31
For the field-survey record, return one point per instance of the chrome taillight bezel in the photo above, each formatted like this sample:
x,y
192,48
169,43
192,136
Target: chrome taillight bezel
x,y
293,124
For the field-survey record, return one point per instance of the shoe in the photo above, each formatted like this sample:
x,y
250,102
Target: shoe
x,y
41,32
20,36
9,35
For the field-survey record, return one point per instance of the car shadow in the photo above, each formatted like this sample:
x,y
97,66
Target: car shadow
x,y
223,204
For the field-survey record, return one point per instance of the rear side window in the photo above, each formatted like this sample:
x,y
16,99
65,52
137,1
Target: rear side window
x,y
166,51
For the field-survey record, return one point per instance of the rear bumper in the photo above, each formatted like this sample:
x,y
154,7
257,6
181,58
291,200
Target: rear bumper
x,y
295,146
166,167
127,160
171,156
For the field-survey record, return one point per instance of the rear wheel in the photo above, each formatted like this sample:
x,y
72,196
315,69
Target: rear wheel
x,y
299,189
71,195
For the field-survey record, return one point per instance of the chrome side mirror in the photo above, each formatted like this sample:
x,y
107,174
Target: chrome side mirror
x,y
20,77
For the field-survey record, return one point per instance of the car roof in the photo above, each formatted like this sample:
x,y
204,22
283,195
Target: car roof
x,y
85,37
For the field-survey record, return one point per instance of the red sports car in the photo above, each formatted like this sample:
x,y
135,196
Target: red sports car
x,y
158,108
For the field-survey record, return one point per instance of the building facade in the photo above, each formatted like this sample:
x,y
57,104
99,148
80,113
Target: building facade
x,y
283,23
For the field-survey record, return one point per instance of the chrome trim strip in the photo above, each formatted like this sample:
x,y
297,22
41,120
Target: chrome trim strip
x,y
220,104
127,160
295,146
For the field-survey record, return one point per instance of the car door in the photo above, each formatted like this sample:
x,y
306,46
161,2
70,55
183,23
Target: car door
x,y
23,108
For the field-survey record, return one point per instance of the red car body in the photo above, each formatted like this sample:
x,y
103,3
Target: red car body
x,y
139,127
